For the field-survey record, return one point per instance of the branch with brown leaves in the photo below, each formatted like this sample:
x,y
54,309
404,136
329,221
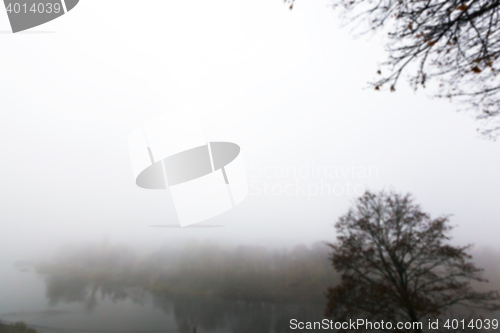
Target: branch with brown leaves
x,y
454,42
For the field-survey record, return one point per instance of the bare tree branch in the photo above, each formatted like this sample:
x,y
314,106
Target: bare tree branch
x,y
396,265
454,42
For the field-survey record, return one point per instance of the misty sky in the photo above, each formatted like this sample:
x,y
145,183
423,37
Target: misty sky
x,y
287,86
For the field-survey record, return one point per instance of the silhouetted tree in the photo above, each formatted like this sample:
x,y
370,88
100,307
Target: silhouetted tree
x,y
396,265
454,41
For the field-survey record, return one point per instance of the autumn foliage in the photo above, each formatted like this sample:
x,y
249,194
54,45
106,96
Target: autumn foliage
x,y
454,42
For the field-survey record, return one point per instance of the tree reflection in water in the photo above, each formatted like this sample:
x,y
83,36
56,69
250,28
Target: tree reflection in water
x,y
212,314
244,289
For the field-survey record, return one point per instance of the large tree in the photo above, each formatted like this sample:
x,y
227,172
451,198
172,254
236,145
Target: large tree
x,y
456,42
396,264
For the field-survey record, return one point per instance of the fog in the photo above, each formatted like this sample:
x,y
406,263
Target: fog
x,y
289,87
212,286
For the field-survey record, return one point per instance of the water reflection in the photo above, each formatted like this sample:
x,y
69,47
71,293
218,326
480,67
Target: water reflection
x,y
212,288
220,315
79,289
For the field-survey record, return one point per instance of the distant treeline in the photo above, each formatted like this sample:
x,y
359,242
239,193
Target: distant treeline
x,y
245,273
248,273
251,273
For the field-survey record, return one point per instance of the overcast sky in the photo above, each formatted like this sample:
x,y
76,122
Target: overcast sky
x,y
287,86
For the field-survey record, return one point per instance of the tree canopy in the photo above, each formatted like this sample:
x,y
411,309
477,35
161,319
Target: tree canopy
x,y
455,42
396,264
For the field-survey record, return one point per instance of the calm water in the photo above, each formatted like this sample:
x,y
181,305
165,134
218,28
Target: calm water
x,y
67,303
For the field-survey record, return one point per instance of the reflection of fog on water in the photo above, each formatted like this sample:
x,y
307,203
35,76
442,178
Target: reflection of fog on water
x,y
229,290
207,313
237,316
81,290
211,287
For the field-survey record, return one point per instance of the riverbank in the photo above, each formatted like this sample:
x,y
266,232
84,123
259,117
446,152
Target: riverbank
x,y
16,328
